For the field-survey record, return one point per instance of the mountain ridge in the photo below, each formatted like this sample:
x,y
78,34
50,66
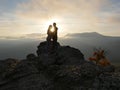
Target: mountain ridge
x,y
89,34
42,36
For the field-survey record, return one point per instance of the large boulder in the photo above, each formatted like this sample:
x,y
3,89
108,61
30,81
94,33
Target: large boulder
x,y
43,48
67,55
62,55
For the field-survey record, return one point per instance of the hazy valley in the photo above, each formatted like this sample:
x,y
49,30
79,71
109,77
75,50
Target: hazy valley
x,y
86,42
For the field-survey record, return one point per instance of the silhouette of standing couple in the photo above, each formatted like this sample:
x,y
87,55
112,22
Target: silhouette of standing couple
x,y
52,33
52,36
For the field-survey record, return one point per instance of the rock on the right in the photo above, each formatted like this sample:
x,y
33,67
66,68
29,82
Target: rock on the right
x,y
67,55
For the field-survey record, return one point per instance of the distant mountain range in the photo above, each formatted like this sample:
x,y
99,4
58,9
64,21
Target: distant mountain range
x,y
86,42
93,34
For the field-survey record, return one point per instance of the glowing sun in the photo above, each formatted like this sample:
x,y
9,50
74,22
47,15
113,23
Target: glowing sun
x,y
58,22
52,20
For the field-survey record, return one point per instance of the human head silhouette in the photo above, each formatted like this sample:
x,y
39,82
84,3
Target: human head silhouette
x,y
54,24
50,26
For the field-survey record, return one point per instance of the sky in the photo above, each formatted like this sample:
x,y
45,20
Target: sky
x,y
21,17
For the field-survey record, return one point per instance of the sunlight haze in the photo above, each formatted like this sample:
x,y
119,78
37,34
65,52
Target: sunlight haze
x,y
20,17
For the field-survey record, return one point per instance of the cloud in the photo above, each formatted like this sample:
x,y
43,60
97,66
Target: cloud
x,y
115,19
26,36
47,8
29,16
79,14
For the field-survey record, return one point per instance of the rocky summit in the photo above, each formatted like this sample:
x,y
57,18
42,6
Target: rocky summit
x,y
63,69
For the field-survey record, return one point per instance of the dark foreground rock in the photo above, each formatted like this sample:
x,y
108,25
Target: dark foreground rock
x,y
65,69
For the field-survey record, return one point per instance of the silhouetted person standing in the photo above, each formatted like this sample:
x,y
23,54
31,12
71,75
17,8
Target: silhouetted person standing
x,y
49,33
49,37
55,33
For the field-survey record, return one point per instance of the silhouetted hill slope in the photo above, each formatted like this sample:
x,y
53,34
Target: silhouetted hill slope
x,y
65,69
92,34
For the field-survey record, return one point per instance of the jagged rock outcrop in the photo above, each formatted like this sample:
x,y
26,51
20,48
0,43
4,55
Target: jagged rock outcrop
x,y
43,48
67,55
65,69
62,55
